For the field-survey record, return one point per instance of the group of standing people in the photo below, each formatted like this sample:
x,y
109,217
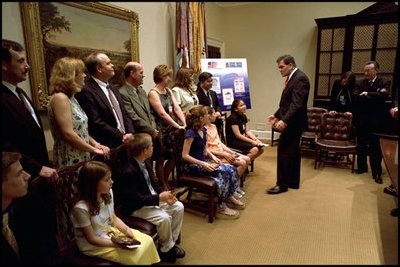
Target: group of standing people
x,y
366,101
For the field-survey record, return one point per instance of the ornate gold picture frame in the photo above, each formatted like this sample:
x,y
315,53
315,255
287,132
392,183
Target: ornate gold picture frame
x,y
56,29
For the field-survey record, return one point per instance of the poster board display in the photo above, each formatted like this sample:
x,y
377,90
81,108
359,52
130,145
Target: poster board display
x,y
230,80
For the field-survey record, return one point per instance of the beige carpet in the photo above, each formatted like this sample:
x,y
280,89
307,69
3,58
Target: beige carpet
x,y
336,217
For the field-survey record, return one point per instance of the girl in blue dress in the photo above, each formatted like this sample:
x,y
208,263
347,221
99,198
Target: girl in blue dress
x,y
201,162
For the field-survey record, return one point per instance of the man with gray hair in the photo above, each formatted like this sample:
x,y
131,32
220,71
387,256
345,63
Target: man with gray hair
x,y
371,116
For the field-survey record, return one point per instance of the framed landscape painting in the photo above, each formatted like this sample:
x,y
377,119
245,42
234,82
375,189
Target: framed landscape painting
x,y
57,29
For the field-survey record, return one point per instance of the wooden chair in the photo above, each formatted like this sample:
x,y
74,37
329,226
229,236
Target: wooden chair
x,y
335,141
199,184
307,140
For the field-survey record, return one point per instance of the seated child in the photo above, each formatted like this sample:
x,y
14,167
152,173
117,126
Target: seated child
x,y
201,162
94,218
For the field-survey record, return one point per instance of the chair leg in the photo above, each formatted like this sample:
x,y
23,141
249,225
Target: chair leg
x,y
211,208
353,163
272,137
189,195
178,240
316,159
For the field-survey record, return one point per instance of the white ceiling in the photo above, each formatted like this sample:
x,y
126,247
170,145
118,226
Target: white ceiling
x,y
227,4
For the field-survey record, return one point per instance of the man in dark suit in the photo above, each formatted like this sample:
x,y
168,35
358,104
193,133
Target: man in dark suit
x,y
108,121
22,132
290,120
371,115
135,100
208,97
139,194
14,184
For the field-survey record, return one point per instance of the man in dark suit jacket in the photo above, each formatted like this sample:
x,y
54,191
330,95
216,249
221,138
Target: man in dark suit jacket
x,y
371,115
203,89
22,132
108,121
290,120
135,100
138,193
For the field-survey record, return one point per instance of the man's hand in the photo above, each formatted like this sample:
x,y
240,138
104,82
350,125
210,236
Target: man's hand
x,y
126,137
271,119
394,112
49,174
280,125
364,93
168,197
154,133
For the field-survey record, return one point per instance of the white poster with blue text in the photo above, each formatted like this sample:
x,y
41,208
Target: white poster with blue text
x,y
230,80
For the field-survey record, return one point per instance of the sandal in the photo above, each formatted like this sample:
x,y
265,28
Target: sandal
x,y
227,213
237,195
236,204
240,191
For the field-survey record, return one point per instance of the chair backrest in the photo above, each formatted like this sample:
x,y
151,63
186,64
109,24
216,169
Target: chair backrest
x,y
179,138
66,189
336,126
116,158
314,115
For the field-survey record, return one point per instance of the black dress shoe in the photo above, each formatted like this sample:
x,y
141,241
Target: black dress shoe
x,y
169,256
277,189
394,212
294,186
360,171
390,190
378,179
179,253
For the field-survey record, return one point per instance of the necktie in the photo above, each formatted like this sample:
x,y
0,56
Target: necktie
x,y
27,105
9,235
117,108
286,82
136,93
209,98
371,83
147,177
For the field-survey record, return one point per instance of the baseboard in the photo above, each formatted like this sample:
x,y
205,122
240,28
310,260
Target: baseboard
x,y
265,135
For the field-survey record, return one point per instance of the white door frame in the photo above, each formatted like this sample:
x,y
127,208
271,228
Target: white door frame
x,y
217,43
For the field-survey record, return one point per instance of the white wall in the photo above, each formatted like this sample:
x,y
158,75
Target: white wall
x,y
263,31
259,32
11,28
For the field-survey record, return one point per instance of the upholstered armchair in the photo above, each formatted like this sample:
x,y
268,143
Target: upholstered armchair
x,y
335,140
307,141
